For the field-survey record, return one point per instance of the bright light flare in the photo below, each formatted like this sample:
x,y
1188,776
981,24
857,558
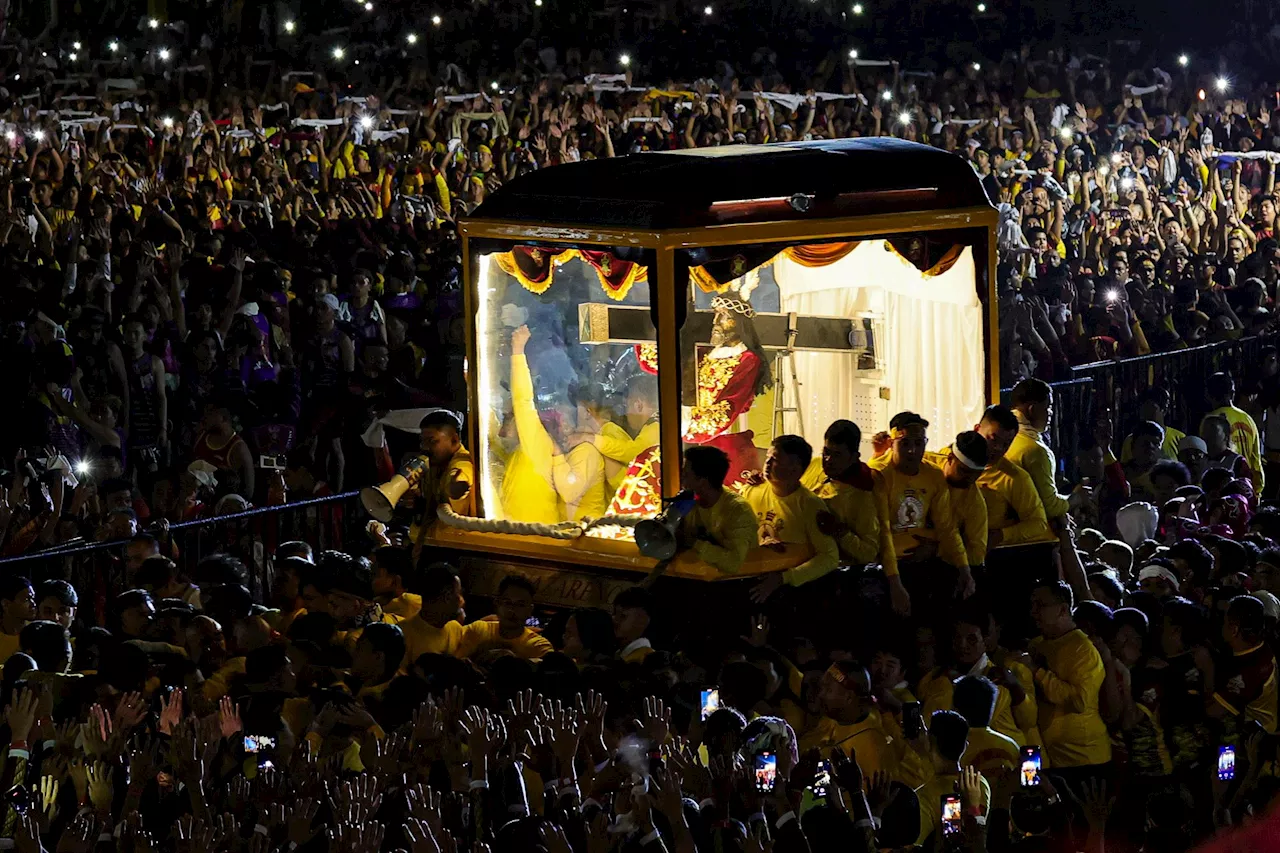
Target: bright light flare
x,y
624,60
1222,84
411,38
1184,60
436,20
338,53
164,54
290,26
153,23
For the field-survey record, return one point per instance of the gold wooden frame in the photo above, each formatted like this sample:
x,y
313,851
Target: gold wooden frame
x,y
665,242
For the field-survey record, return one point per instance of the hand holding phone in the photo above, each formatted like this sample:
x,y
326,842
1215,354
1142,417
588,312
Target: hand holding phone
x,y
951,817
1226,763
709,700
1029,767
766,770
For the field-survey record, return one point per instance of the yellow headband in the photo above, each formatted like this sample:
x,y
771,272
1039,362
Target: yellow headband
x,y
903,432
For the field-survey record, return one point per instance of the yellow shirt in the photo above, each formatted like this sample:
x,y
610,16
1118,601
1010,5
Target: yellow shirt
x,y
919,507
1245,440
216,685
867,739
1031,454
866,513
1013,505
454,638
990,752
1168,449
793,520
580,481
531,494
725,531
969,512
1067,692
403,606
8,646
530,645
615,444
459,469
936,690
930,796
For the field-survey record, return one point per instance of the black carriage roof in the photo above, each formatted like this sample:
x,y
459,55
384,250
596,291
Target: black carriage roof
x,y
737,183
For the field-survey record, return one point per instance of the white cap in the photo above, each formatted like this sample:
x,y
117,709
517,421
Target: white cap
x,y
1155,571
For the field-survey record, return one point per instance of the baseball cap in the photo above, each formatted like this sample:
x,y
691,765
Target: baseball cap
x,y
1192,442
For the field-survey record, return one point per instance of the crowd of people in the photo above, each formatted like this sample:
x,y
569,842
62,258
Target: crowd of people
x,y
232,243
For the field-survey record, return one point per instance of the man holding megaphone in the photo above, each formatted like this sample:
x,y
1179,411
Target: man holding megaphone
x,y
443,473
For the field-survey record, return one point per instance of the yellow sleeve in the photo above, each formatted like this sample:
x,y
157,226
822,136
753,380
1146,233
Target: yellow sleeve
x,y
615,444
974,524
216,685
826,555
473,636
1080,676
575,473
1026,715
862,542
532,646
740,533
1037,465
950,545
1032,525
533,436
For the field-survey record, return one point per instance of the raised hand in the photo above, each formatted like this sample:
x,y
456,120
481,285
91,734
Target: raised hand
x,y
655,722
229,718
170,711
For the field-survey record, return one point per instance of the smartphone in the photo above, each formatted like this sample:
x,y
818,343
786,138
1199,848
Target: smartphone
x,y
1029,767
912,720
254,744
1226,763
766,767
822,780
950,815
710,701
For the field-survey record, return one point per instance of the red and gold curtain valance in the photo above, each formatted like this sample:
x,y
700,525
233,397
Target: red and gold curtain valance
x,y
534,268
531,266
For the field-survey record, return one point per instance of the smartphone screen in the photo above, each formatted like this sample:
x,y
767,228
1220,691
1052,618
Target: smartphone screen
x,y
766,767
822,780
950,815
253,744
710,701
1226,763
1029,768
912,720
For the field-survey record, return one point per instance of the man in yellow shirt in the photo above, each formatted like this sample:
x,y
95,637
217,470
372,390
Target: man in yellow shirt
x,y
552,486
1014,712
616,443
920,516
1220,388
438,627
962,464
1014,512
990,751
948,739
451,474
392,567
849,722
858,515
375,660
787,514
722,526
514,607
1068,674
632,616
17,608
1033,406
1153,406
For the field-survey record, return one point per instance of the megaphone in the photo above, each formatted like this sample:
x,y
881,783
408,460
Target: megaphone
x,y
656,537
380,501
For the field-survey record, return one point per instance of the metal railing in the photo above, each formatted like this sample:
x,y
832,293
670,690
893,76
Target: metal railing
x,y
97,568
1113,388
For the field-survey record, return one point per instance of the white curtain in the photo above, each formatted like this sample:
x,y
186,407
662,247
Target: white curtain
x,y
928,343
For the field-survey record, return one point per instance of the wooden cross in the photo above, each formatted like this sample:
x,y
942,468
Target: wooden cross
x,y
602,323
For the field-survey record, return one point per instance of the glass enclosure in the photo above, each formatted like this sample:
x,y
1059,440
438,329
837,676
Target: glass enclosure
x,y
788,338
774,338
567,392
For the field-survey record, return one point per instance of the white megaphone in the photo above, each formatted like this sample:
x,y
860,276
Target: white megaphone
x,y
656,537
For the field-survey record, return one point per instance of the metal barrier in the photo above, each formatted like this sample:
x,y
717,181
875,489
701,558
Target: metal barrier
x,y
1112,388
97,568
